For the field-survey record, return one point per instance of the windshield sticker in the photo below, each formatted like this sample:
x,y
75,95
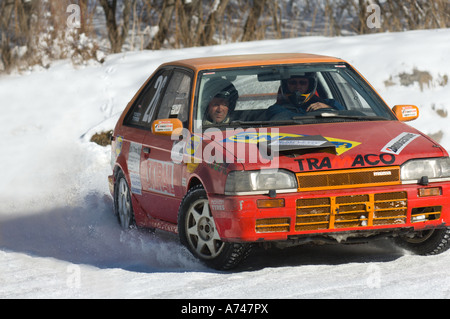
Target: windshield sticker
x,y
396,145
175,109
342,146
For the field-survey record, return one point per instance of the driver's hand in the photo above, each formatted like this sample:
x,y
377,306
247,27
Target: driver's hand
x,y
317,106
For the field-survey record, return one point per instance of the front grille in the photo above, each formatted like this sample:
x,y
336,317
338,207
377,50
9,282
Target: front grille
x,y
351,211
365,177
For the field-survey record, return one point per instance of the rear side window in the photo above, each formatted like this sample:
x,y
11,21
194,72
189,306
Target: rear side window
x,y
141,113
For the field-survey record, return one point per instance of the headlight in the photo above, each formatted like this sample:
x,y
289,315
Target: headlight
x,y
433,168
260,181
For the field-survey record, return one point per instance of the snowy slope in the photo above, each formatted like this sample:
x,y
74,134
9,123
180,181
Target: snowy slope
x,y
59,239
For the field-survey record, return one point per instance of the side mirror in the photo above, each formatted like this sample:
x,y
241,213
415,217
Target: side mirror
x,y
406,113
167,127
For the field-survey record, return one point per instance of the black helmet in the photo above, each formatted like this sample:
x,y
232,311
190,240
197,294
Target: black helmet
x,y
220,88
298,98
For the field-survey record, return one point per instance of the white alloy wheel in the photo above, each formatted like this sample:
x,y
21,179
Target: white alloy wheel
x,y
198,232
201,231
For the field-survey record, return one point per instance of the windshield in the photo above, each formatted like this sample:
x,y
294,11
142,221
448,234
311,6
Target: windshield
x,y
285,95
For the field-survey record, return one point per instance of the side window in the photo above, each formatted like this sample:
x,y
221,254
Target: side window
x,y
142,111
175,103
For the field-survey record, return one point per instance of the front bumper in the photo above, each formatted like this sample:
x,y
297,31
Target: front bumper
x,y
375,209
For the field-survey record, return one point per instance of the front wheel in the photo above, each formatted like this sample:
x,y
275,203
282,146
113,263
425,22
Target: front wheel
x,y
427,242
198,232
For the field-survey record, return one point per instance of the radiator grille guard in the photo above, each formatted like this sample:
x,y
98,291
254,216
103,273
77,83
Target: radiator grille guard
x,y
351,211
345,211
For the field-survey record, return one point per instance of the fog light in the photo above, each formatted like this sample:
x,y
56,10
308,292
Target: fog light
x,y
270,203
418,218
432,191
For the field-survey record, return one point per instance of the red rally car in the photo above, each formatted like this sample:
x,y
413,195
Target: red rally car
x,y
284,149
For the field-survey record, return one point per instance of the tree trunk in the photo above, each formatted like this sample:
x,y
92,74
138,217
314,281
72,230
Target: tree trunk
x,y
116,34
252,20
217,11
164,23
189,15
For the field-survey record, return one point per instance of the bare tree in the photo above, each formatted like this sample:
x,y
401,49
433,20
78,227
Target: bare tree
x,y
6,10
190,19
16,28
217,11
117,33
252,19
36,31
167,10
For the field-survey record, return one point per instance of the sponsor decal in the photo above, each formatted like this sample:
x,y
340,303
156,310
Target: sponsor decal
x,y
341,145
313,163
359,161
373,159
382,173
298,143
177,152
397,144
133,163
164,126
409,112
117,145
186,150
193,149
217,204
159,177
175,109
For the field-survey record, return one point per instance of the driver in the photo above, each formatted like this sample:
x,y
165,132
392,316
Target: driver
x,y
297,97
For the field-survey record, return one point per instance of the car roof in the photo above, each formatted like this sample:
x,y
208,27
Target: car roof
x,y
229,61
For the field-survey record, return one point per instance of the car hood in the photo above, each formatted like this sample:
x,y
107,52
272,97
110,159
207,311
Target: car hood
x,y
328,146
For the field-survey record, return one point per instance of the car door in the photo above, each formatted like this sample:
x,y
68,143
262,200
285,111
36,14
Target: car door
x,y
137,124
161,177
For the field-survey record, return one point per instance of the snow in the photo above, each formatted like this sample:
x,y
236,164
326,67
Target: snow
x,y
59,238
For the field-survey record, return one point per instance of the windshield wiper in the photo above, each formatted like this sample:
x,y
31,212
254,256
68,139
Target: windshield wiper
x,y
297,120
237,123
272,123
340,116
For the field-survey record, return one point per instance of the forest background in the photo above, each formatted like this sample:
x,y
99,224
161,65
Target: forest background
x,y
33,33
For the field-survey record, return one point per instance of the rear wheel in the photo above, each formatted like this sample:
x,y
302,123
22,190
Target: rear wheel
x,y
198,232
122,201
427,242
